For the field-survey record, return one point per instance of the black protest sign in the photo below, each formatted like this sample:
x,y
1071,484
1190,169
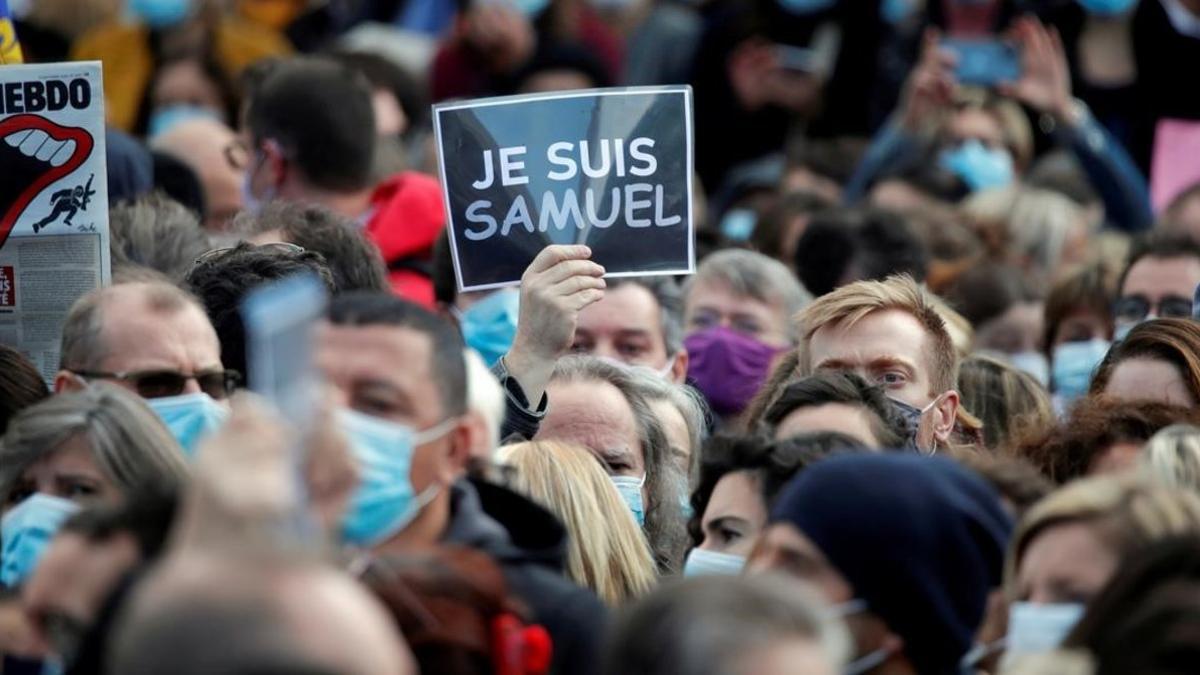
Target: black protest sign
x,y
608,168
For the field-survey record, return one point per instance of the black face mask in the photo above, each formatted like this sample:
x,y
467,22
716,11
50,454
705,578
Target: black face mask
x,y
911,416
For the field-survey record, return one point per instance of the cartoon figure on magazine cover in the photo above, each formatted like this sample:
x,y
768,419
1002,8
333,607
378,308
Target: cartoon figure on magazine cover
x,y
36,153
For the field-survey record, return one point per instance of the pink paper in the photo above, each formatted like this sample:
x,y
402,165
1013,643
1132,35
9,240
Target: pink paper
x,y
1176,163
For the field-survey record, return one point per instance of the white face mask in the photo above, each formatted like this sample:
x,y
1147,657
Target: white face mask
x,y
1035,629
712,563
869,661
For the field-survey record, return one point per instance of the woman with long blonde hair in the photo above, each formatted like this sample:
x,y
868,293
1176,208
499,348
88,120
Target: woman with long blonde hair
x,y
607,551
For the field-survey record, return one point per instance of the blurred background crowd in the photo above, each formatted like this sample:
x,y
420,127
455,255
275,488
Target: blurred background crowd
x,y
963,228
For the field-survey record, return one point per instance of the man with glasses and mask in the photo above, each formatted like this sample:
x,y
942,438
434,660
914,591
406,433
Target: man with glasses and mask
x,y
1158,282
154,339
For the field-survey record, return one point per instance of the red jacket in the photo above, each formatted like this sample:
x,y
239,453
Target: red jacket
x,y
407,217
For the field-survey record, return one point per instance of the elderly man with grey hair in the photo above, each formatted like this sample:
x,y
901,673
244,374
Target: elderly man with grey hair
x,y
154,339
639,322
737,317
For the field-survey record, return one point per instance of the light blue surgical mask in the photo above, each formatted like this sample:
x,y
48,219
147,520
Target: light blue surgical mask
x,y
1036,629
895,12
1107,7
630,488
385,501
1034,363
806,7
530,8
1122,329
1074,364
168,117
190,417
490,325
979,166
738,224
712,563
26,531
161,13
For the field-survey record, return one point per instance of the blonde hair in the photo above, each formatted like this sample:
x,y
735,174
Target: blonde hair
x,y
1172,456
1030,222
607,551
1127,512
850,304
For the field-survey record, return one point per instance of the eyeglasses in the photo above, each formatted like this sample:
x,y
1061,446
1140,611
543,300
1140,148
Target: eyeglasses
x,y
1135,308
218,384
280,246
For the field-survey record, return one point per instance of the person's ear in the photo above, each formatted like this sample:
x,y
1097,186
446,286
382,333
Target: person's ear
x,y
457,457
275,164
65,380
679,366
945,416
480,444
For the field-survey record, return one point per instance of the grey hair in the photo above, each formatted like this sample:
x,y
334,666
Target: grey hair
x,y
130,444
670,305
1172,456
665,486
711,625
156,232
757,276
83,344
689,402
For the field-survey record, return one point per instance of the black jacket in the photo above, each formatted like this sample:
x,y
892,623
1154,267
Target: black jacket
x,y
529,544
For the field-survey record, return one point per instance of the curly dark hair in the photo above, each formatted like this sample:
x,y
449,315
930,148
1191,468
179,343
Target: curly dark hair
x,y
1094,425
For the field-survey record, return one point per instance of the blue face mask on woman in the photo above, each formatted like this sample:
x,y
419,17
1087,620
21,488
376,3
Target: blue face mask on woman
x,y
168,117
490,325
385,501
161,13
979,166
1073,366
26,531
190,417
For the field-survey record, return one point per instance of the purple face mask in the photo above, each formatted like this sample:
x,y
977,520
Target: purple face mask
x,y
728,367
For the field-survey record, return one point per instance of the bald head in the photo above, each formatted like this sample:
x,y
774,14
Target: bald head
x,y
266,615
134,327
201,144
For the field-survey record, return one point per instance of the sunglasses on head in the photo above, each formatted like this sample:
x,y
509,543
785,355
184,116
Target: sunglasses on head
x,y
1134,308
218,384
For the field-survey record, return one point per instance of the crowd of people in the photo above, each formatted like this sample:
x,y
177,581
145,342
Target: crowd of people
x,y
929,404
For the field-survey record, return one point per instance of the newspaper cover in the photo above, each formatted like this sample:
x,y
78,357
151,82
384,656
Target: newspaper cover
x,y
53,201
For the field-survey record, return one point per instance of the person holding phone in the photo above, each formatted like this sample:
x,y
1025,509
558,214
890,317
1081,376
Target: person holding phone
x,y
986,143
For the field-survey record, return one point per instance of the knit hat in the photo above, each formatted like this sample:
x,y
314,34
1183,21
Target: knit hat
x,y
921,540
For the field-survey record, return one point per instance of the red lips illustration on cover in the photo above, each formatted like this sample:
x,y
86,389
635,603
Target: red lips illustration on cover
x,y
34,154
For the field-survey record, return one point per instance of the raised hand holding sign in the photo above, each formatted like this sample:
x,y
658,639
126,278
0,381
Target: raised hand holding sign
x,y
611,169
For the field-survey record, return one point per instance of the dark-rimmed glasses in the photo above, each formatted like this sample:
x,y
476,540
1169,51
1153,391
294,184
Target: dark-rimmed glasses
x,y
161,383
